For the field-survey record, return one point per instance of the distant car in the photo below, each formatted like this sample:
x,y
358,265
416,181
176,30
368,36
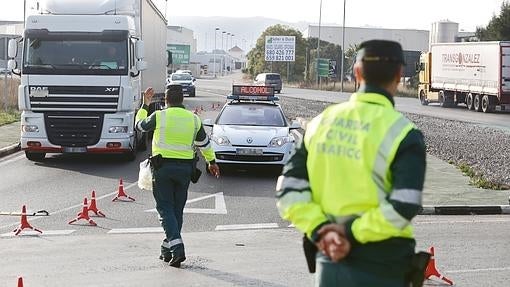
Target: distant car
x,y
252,129
271,80
185,80
185,72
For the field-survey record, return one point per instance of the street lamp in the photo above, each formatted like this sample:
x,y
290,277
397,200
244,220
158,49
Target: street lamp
x,y
343,53
214,52
222,49
318,46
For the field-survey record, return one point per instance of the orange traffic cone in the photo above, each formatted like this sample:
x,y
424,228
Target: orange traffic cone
x,y
195,111
121,195
84,214
93,207
20,281
432,269
24,223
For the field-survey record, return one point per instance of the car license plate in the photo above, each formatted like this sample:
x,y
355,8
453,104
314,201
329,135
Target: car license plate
x,y
249,151
75,149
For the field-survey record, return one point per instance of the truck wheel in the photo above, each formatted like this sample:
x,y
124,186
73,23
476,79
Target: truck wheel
x,y
487,105
423,100
443,99
35,156
477,103
469,101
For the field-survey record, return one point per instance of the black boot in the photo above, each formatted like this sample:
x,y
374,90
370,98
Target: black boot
x,y
166,253
177,259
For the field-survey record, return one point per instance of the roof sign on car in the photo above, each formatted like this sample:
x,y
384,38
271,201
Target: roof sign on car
x,y
252,93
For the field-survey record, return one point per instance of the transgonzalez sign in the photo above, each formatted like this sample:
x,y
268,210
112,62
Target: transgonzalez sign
x,y
280,48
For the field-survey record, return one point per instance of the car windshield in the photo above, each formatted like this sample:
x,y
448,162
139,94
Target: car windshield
x,y
181,77
273,77
252,115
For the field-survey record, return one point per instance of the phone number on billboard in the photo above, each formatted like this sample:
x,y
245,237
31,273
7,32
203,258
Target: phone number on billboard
x,y
280,56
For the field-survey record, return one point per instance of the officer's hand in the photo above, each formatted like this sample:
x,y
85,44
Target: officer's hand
x,y
214,169
147,96
338,228
335,246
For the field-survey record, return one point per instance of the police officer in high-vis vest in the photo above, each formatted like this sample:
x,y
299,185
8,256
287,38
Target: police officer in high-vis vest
x,y
177,132
355,181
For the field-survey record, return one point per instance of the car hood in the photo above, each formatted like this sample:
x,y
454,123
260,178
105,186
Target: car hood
x,y
260,135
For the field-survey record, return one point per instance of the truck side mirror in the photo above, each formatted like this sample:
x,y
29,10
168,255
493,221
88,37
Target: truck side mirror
x,y
11,64
139,49
13,48
141,65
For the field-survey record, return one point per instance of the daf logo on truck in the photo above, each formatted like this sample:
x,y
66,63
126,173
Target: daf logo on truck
x,y
39,92
111,90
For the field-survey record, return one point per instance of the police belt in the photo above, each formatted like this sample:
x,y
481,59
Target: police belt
x,y
176,160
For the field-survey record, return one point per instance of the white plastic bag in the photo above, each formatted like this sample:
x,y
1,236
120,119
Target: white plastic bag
x,y
145,176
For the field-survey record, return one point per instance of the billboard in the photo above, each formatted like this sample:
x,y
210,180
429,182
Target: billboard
x,y
280,48
180,53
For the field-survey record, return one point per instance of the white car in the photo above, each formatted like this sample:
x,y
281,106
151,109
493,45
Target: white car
x,y
252,131
185,80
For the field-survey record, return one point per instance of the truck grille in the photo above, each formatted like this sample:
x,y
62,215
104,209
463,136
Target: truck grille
x,y
75,98
74,130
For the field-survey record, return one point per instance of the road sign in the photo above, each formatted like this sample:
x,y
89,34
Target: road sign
x,y
180,53
323,67
332,69
280,48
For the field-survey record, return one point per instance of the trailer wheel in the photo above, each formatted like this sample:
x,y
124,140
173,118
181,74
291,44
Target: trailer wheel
x,y
477,103
469,101
423,100
442,99
445,99
487,105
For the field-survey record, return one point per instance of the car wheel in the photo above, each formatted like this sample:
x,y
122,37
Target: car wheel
x,y
35,156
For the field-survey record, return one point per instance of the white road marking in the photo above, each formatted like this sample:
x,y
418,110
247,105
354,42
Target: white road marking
x,y
45,233
136,230
219,205
461,221
479,270
11,159
246,226
291,226
69,208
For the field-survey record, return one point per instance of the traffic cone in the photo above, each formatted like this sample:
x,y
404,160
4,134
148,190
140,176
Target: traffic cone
x,y
24,223
121,195
84,214
93,207
20,281
195,111
202,108
432,269
212,106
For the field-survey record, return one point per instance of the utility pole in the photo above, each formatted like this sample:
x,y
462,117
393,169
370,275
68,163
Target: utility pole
x,y
318,46
343,53
214,52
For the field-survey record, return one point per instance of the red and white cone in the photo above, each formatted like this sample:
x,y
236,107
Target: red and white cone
x,y
121,195
84,214
24,223
432,269
202,108
20,281
93,207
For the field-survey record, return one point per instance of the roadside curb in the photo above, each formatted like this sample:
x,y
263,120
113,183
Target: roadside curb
x,y
465,210
5,151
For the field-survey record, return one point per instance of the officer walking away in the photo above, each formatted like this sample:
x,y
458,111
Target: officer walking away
x,y
355,181
177,132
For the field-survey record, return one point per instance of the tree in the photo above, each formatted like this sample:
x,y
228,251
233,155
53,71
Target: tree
x,y
257,63
498,28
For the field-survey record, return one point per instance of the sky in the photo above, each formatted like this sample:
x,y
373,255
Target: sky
x,y
406,14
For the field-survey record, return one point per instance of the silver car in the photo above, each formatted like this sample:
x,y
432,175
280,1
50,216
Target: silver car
x,y
270,80
252,132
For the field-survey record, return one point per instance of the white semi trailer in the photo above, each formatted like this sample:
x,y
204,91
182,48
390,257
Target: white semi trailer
x,y
476,74
84,65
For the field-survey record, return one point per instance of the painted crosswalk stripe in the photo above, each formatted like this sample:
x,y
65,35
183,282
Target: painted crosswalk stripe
x,y
136,230
45,233
246,226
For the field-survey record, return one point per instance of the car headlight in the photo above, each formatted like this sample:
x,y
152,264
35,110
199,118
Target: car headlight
x,y
220,140
30,128
280,141
118,129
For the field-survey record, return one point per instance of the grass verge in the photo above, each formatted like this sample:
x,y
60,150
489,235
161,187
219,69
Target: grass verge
x,y
9,116
478,180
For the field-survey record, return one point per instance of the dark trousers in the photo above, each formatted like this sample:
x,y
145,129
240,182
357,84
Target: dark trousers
x,y
170,190
342,274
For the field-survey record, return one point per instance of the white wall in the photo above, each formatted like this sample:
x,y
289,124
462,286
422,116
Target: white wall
x,y
181,35
411,40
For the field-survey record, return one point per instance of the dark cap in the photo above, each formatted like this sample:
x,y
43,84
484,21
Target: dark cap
x,y
381,51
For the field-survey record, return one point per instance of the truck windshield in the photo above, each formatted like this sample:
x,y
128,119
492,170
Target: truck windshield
x,y
75,54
